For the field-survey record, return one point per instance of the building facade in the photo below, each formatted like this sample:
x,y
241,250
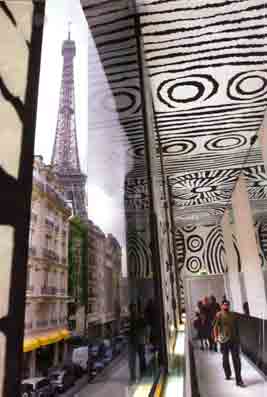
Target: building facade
x,y
112,273
78,275
47,274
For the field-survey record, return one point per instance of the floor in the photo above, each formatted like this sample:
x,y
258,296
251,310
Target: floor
x,y
212,382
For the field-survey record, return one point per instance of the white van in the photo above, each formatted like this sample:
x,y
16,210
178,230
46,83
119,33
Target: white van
x,y
80,356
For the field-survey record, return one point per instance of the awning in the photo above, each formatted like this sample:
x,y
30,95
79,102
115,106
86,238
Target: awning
x,y
65,334
50,338
30,344
46,339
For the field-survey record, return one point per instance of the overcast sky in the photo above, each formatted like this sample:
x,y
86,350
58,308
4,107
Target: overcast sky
x,y
98,127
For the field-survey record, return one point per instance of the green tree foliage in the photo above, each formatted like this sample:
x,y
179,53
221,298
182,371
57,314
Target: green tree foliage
x,y
78,280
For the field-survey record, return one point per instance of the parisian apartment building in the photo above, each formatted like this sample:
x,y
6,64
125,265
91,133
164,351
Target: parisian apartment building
x,y
46,327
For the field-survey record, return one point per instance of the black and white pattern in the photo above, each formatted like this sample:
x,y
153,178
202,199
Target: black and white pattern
x,y
262,230
205,64
136,195
209,82
195,243
193,264
138,255
214,255
180,248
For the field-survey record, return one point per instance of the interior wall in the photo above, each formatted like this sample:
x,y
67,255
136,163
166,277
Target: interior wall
x,y
199,249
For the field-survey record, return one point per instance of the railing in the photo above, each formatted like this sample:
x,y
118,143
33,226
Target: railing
x,y
48,290
62,291
54,322
30,289
41,323
50,255
64,260
62,320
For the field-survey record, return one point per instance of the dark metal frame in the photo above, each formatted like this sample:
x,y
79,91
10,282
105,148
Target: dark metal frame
x,y
15,203
152,214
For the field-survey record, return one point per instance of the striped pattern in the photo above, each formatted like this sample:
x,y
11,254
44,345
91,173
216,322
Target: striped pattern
x,y
206,64
209,82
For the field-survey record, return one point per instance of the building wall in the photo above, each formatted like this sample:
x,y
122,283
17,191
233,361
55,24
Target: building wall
x,y
47,268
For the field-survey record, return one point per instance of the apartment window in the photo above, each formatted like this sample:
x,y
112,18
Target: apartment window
x,y
46,274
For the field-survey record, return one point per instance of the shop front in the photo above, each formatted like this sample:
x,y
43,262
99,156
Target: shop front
x,y
43,352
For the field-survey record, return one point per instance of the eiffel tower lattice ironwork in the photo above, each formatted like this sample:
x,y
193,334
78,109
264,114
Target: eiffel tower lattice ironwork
x,y
65,157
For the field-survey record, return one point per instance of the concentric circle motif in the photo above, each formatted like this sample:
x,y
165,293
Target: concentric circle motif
x,y
189,229
127,100
195,243
137,150
247,85
173,92
219,144
193,264
178,147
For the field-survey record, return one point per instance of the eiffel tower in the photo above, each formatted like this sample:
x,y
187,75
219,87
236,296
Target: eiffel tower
x,y
65,156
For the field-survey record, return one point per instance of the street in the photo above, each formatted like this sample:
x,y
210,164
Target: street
x,y
112,382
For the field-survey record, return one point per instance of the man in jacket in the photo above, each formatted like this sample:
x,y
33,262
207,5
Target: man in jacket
x,y
226,332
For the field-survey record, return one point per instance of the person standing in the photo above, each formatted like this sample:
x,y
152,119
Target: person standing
x,y
227,333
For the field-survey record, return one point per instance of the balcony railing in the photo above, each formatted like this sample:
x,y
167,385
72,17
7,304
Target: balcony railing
x,y
54,322
62,291
62,320
50,255
41,323
30,289
48,290
32,251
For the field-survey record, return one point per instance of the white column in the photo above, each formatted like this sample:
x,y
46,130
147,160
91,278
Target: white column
x,y
232,263
250,260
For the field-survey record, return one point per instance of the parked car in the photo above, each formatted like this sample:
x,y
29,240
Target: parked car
x,y
37,387
82,356
97,367
108,356
62,380
76,369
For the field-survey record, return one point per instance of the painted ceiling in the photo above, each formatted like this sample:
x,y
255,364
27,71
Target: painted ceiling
x,y
206,69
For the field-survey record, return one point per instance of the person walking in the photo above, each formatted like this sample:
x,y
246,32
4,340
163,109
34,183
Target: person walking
x,y
227,333
214,309
203,325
